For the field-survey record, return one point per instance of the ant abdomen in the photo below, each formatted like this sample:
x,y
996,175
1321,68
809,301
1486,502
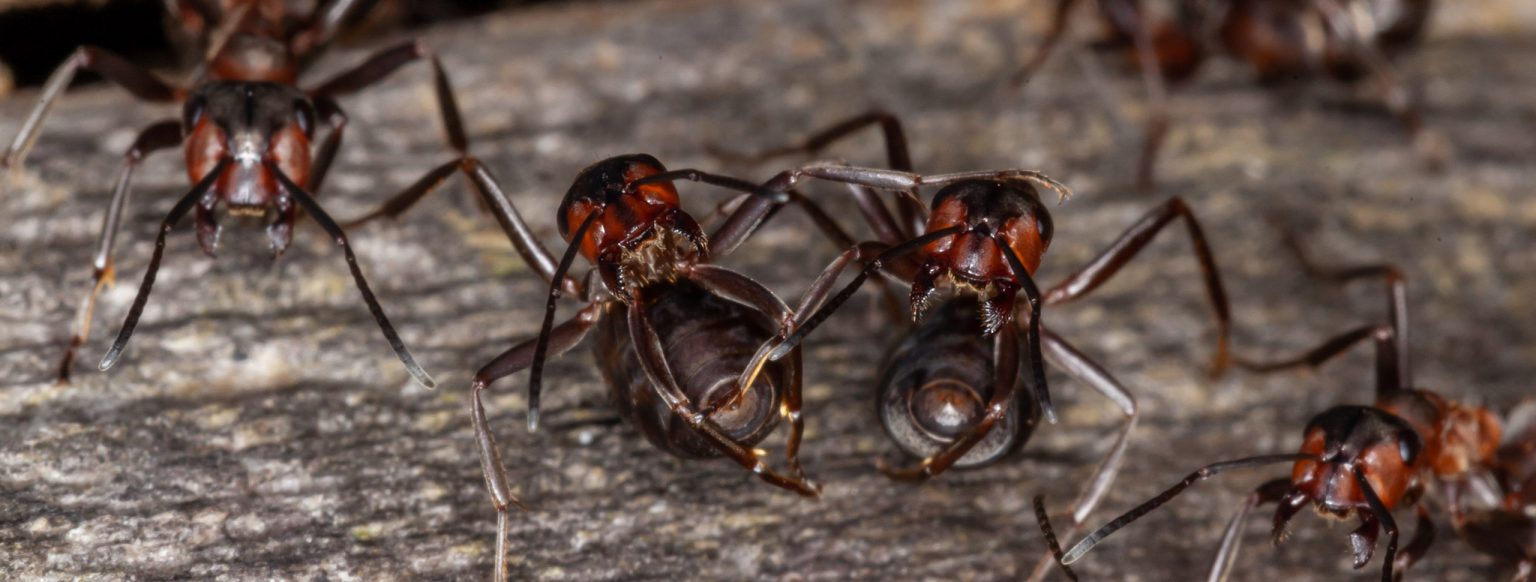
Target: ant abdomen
x,y
709,340
937,382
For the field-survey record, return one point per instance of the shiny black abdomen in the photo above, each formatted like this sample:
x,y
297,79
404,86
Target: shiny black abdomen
x,y
947,351
708,341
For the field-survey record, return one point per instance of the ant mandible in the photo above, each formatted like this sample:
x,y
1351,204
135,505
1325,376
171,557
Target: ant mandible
x,y
1345,40
246,129
1360,461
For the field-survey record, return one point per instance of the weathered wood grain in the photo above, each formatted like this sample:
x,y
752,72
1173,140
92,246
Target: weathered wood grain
x,y
258,427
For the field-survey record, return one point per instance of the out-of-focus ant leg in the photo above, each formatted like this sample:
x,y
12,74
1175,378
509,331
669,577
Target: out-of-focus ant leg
x,y
1157,104
1059,19
1388,361
327,18
1423,537
140,83
1135,238
162,135
1080,367
1396,288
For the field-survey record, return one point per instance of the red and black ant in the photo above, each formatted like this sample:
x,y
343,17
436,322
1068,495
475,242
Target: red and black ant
x,y
674,332
1345,40
1360,461
946,392
246,129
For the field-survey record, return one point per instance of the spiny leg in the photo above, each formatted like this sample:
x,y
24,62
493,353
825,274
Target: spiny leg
x,y
1232,536
652,358
1005,349
310,206
140,83
158,136
1131,242
1079,366
177,212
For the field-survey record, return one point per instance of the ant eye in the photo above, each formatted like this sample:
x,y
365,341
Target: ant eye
x,y
304,114
192,112
1407,450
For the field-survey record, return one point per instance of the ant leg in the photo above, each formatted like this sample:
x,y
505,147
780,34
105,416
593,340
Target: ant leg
x,y
1232,537
808,316
653,359
177,212
1131,242
1379,513
744,290
1093,538
1059,20
1157,103
1078,365
904,183
1396,287
564,337
310,206
1387,359
1005,349
159,136
897,156
322,25
140,83
329,110
1423,537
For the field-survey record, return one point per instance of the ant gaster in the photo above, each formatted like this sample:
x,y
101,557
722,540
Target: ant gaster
x,y
1346,40
1360,461
246,130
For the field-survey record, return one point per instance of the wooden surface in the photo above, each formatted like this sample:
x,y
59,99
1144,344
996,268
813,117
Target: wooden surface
x,y
259,427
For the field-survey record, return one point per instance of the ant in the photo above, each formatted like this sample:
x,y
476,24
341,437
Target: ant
x,y
1506,529
673,331
246,128
1286,40
946,392
1360,461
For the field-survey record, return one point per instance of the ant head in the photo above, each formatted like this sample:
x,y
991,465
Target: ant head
x,y
248,123
1343,439
625,215
989,214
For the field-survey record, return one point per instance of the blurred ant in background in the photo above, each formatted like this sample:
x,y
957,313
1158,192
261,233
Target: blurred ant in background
x,y
1360,461
1349,41
246,128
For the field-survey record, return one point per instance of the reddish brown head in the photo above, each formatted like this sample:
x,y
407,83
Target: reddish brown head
x,y
634,234
249,124
989,214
